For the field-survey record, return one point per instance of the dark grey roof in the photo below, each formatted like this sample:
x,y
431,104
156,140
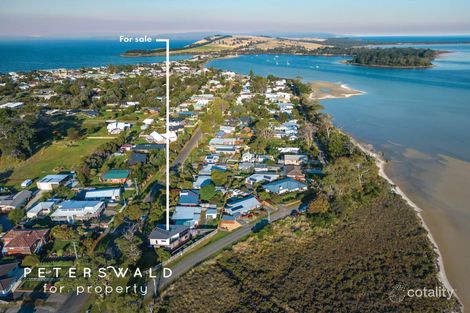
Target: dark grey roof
x,y
6,268
16,201
136,158
148,146
160,231
6,283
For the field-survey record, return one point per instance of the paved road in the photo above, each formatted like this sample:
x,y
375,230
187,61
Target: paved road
x,y
188,147
209,250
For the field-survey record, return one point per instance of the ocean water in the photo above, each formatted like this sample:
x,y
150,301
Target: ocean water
x,y
419,119
427,109
33,54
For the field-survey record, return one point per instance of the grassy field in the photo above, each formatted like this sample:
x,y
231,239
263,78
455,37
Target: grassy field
x,y
59,156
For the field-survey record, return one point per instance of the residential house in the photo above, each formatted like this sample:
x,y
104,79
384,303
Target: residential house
x,y
11,105
10,278
148,147
209,168
116,128
240,206
72,210
50,182
285,107
212,158
201,181
246,166
148,121
137,158
224,145
294,159
156,137
211,213
263,167
284,185
292,150
248,157
189,197
186,215
103,194
16,201
224,142
227,129
287,130
259,177
24,241
41,209
294,172
115,176
170,239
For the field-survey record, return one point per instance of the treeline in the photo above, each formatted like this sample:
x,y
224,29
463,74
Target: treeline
x,y
17,134
394,57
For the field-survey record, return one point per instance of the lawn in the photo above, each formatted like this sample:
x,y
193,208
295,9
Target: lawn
x,y
60,156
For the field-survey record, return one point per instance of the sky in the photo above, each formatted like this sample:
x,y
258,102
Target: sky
x,y
89,18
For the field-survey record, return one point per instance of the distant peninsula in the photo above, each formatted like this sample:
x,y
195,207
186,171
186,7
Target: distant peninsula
x,y
358,50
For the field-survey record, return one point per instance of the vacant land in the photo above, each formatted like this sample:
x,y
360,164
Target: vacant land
x,y
59,156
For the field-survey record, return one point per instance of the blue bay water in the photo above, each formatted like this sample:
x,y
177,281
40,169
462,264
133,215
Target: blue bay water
x,y
33,54
427,109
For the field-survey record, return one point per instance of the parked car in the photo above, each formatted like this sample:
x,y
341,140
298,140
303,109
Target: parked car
x,y
26,183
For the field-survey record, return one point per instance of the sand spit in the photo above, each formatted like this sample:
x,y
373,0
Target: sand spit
x,y
327,90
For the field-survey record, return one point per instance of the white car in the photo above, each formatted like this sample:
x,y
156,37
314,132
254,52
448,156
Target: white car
x,y
26,183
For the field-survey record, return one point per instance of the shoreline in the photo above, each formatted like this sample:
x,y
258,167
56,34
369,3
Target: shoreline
x,y
380,163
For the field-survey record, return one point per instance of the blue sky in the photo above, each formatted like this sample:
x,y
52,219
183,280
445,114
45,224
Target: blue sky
x,y
112,17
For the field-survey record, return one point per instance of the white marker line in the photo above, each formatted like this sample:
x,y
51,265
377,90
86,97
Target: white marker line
x,y
167,139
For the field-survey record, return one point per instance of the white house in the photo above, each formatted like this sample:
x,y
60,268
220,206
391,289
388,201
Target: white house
x,y
156,137
104,194
248,157
259,177
148,121
170,238
51,182
115,128
42,208
70,211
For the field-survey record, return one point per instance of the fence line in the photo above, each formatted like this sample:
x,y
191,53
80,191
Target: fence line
x,y
189,248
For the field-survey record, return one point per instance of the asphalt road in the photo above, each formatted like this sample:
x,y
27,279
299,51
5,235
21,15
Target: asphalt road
x,y
186,264
184,153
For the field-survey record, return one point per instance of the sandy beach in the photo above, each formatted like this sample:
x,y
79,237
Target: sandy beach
x,y
327,90
440,187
